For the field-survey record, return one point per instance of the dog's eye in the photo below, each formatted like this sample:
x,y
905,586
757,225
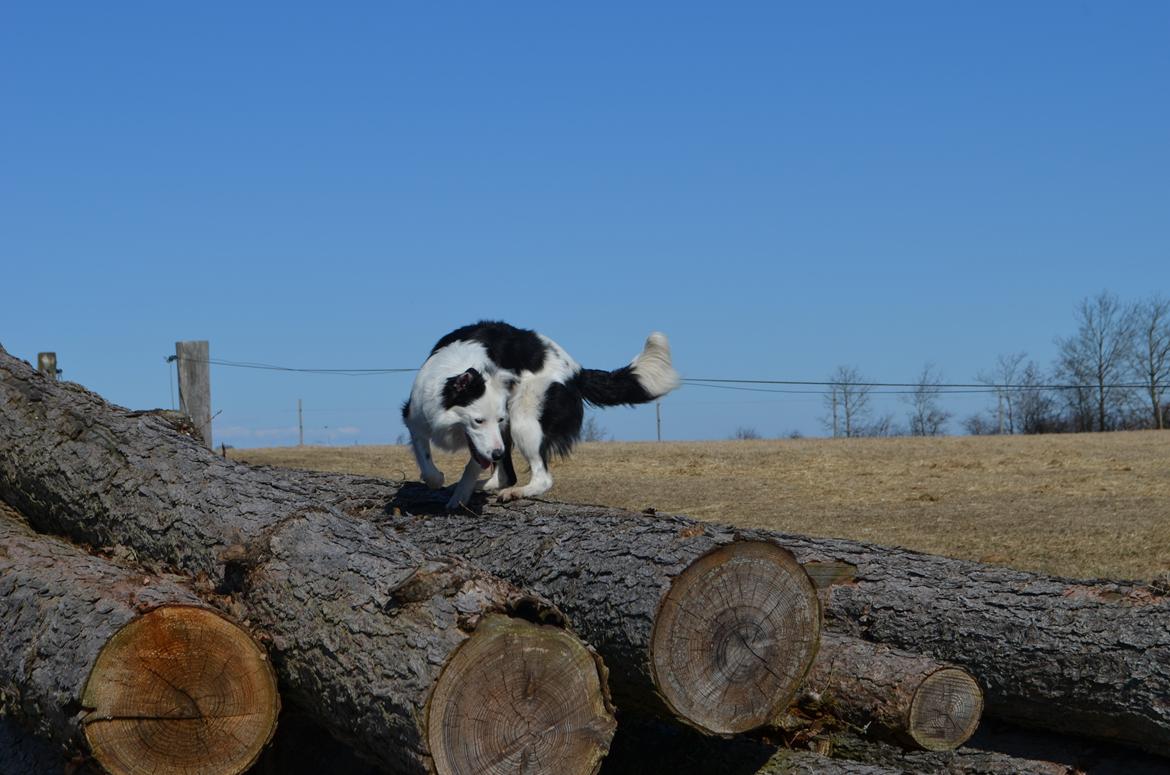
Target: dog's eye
x,y
479,421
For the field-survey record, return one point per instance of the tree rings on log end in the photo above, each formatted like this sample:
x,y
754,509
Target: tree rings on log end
x,y
520,697
180,689
945,710
734,637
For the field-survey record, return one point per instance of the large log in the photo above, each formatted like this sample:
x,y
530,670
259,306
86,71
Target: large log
x,y
134,670
1048,652
423,663
692,621
891,694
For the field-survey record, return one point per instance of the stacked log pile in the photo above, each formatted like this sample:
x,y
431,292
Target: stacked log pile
x,y
429,642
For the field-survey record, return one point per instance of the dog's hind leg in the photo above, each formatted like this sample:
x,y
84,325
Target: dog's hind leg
x,y
466,486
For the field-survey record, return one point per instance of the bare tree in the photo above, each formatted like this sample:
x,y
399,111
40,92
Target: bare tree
x,y
1035,406
1097,357
927,418
746,433
847,403
1151,352
592,430
1003,377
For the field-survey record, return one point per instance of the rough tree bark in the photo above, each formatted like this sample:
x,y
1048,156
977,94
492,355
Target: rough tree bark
x,y
422,663
1048,652
714,630
892,694
135,670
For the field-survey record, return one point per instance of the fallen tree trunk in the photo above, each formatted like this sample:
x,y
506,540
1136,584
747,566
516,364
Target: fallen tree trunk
x,y
720,631
422,663
1048,652
886,693
136,671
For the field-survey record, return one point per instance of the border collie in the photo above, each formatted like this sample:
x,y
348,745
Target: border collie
x,y
490,386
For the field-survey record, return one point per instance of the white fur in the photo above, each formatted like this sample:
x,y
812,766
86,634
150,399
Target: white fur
x,y
653,367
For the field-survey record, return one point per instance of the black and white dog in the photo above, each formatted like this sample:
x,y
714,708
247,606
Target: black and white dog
x,y
489,386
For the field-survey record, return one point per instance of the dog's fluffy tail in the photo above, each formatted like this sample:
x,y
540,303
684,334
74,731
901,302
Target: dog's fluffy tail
x,y
649,376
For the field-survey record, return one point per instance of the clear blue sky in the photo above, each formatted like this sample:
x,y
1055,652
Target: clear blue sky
x,y
780,187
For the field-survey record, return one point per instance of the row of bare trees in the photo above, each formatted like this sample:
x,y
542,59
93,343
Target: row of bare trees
x,y
1113,373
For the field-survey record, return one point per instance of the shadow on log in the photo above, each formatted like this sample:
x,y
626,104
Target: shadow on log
x,y
362,626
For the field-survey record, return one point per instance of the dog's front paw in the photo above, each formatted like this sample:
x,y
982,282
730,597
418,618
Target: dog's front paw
x,y
455,503
434,481
510,494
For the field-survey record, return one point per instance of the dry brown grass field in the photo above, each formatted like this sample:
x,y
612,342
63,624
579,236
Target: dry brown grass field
x,y
1086,505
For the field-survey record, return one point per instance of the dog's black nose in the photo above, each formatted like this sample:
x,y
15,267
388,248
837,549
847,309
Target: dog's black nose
x,y
497,454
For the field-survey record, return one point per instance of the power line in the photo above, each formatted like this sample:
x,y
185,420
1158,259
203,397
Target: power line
x,y
728,383
271,367
979,386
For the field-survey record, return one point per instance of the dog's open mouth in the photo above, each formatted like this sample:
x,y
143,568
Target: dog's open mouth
x,y
484,462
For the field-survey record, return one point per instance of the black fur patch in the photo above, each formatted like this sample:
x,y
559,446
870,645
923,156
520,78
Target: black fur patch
x,y
507,471
406,410
515,349
560,420
463,389
611,388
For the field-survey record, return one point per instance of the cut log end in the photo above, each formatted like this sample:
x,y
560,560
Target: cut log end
x,y
735,636
180,689
520,697
945,710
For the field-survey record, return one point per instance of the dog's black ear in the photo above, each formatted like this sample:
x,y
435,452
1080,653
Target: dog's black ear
x,y
462,389
467,379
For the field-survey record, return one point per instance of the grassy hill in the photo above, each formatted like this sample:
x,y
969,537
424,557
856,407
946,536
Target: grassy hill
x,y
1082,505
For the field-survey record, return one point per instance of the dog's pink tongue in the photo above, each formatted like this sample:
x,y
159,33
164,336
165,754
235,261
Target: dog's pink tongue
x,y
486,464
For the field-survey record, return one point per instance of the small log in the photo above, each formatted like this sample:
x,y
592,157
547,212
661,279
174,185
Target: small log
x,y
1049,653
366,631
692,623
892,694
134,670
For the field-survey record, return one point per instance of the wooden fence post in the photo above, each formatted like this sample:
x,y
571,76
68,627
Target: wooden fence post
x,y
195,385
47,364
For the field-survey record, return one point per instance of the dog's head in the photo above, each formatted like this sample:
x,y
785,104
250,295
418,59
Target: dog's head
x,y
479,404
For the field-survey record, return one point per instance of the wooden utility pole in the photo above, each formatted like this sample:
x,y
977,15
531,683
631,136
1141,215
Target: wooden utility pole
x,y
658,417
300,424
47,364
195,385
834,412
